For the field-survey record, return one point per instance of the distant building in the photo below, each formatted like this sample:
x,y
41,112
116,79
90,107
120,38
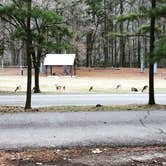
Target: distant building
x,y
64,61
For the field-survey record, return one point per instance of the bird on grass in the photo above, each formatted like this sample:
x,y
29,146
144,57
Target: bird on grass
x,y
118,86
17,88
133,89
91,88
60,87
144,88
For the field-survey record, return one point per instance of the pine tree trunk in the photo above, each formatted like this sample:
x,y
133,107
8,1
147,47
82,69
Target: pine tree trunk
x,y
29,78
37,72
106,58
115,53
122,44
89,50
139,52
151,66
29,60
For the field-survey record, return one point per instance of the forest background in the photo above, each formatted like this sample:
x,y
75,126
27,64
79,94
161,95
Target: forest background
x,y
97,34
116,34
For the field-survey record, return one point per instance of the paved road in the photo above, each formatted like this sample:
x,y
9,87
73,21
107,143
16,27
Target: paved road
x,y
82,128
80,99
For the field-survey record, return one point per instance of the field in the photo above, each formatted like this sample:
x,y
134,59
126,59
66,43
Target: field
x,y
102,81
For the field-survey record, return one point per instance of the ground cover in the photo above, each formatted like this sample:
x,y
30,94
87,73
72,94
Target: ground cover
x,y
102,80
103,156
16,109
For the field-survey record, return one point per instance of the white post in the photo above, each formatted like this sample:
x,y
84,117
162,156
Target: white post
x,y
20,57
142,60
155,67
142,65
42,68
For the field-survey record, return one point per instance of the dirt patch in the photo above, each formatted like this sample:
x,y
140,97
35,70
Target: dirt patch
x,y
96,72
136,156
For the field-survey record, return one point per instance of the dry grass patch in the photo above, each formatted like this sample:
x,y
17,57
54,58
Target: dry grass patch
x,y
102,108
11,109
15,109
102,80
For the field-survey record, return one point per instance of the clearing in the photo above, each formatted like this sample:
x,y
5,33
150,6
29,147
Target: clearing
x,y
101,80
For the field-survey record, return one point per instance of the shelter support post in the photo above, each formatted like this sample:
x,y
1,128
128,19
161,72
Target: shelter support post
x,y
74,70
51,70
46,70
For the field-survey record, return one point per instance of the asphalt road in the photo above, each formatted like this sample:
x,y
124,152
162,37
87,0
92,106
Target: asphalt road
x,y
39,100
121,128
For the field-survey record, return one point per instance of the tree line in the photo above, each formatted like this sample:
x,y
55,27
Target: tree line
x,y
104,33
99,36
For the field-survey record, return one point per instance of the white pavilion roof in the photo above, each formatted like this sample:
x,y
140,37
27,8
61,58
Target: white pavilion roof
x,y
59,59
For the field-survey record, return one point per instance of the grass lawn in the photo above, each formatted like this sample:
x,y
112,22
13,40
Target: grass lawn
x,y
102,80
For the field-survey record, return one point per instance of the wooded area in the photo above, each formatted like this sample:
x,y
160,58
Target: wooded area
x,y
101,33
